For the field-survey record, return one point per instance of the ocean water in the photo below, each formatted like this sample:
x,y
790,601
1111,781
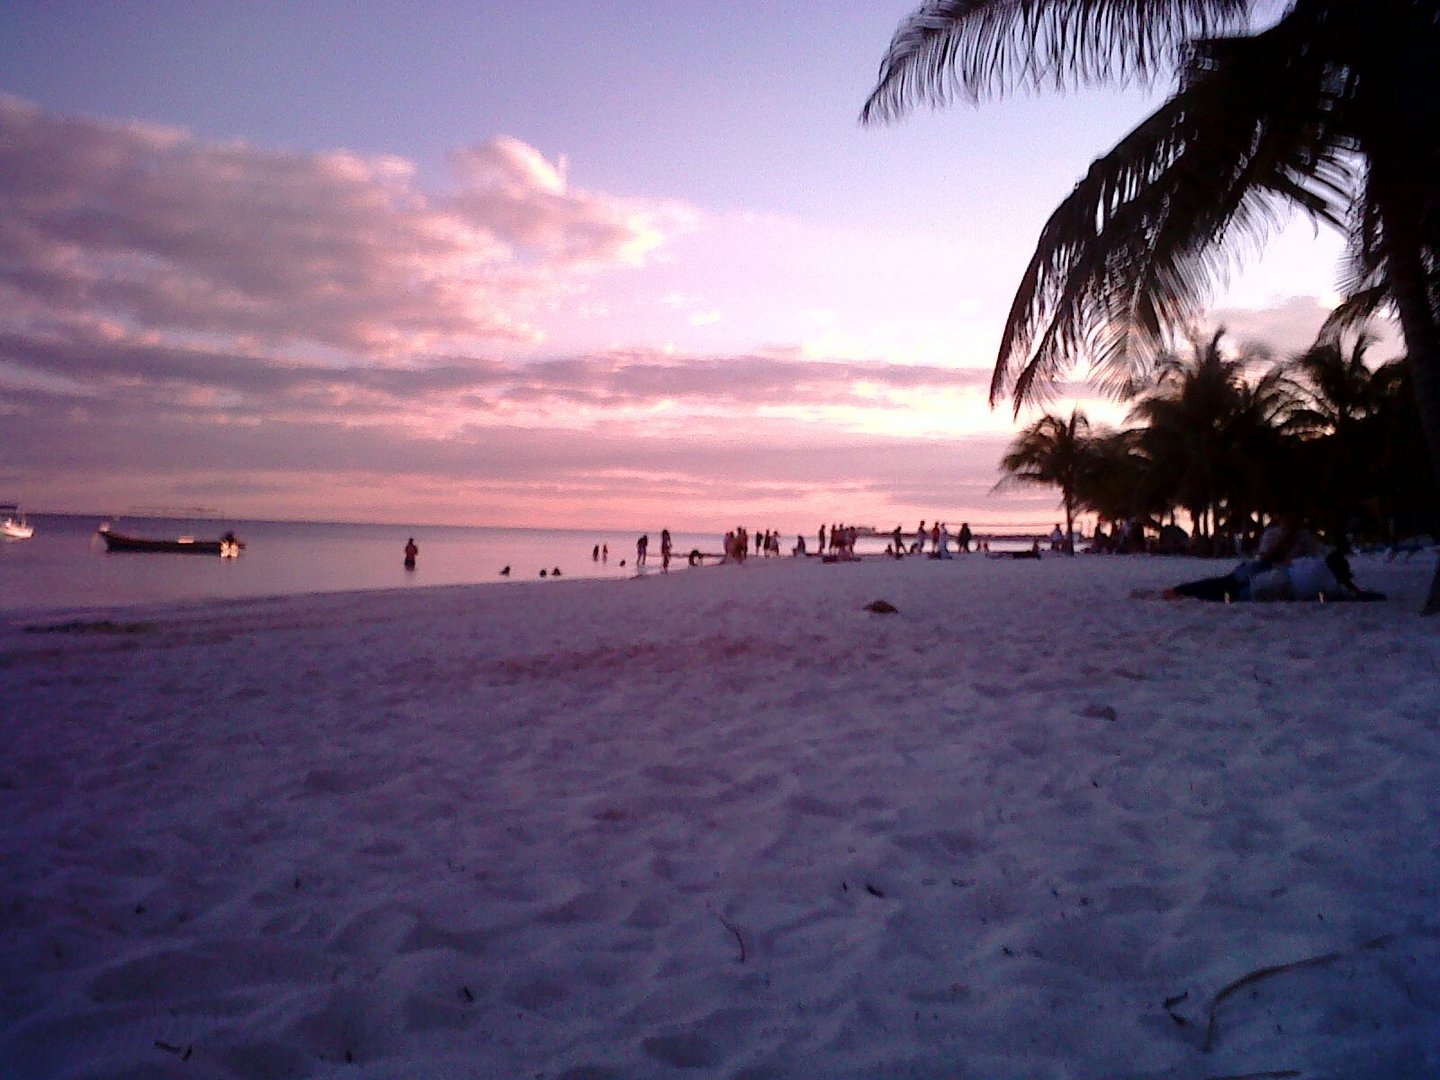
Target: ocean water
x,y
65,566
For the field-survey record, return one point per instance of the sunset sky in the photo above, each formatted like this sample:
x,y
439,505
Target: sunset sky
x,y
612,263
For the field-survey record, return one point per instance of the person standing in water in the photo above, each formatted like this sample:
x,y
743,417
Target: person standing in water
x,y
410,552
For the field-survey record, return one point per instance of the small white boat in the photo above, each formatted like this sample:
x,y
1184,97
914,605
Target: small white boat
x,y
13,525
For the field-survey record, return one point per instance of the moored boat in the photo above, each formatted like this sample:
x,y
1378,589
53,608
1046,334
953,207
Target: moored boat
x,y
227,547
13,525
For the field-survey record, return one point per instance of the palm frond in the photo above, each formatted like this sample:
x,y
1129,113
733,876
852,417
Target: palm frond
x,y
976,48
1131,256
1353,312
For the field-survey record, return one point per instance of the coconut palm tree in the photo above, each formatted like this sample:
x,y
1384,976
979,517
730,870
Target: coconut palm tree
x,y
1270,469
1338,395
1214,430
1338,386
1051,452
1406,495
1331,108
1118,482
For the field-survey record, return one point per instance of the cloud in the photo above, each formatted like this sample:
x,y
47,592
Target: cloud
x,y
322,334
110,452
527,202
158,376
106,413
1289,326
155,229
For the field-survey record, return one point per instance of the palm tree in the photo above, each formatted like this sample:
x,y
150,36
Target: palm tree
x,y
1339,386
1331,109
1339,396
1268,471
1051,452
1213,430
1406,494
1118,482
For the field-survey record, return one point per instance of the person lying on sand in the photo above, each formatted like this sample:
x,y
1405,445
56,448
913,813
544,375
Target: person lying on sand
x,y
1284,540
1310,577
1033,552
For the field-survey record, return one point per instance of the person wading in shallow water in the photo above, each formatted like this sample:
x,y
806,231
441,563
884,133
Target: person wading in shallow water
x,y
410,552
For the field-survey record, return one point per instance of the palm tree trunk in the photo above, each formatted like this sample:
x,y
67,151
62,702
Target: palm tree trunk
x,y
1401,189
1419,322
1422,346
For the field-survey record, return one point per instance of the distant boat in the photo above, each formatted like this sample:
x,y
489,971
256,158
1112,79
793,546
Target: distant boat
x,y
227,547
13,525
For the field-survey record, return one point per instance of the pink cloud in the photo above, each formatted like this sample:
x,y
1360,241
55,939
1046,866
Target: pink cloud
x,y
155,228
93,411
159,375
300,333
527,201
1289,326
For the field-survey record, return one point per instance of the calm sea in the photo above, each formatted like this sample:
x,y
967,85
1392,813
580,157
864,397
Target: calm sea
x,y
66,565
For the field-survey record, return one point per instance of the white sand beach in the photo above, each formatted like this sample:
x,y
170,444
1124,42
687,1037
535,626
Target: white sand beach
x,y
727,823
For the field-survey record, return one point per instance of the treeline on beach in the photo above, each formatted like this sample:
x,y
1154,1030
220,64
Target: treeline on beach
x,y
1222,440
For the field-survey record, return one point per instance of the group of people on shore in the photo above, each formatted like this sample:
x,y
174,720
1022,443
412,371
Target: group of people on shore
x,y
736,545
1289,562
841,543
642,551
939,537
